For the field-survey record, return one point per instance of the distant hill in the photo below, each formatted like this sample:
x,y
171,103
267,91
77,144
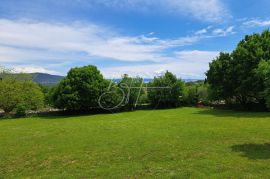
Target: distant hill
x,y
46,79
50,80
41,78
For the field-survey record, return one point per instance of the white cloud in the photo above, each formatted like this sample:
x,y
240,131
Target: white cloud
x,y
24,40
223,32
257,22
209,10
31,45
206,10
188,64
201,32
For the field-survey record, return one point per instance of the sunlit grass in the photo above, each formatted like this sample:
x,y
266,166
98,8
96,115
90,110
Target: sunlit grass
x,y
180,143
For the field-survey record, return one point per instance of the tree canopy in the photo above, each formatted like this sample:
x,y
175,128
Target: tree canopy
x,y
234,77
165,91
25,93
80,89
133,89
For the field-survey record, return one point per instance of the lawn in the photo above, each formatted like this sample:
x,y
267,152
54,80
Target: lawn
x,y
175,143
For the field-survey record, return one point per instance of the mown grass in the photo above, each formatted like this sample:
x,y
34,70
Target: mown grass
x,y
176,143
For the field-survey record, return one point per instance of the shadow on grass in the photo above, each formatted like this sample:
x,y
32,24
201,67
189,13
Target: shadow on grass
x,y
66,114
253,151
72,114
232,113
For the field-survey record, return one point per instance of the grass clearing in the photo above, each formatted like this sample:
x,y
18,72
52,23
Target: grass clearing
x,y
175,143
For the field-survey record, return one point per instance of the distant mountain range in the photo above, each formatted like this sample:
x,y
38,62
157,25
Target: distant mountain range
x,y
47,79
41,78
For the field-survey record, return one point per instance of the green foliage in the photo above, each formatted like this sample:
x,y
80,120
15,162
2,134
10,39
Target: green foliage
x,y
133,89
190,96
234,77
10,94
220,77
247,56
80,90
203,93
263,71
14,92
196,92
48,91
166,91
20,110
143,99
32,96
112,98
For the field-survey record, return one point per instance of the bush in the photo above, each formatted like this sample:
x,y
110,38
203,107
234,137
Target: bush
x,y
143,99
32,96
196,92
20,110
14,92
190,96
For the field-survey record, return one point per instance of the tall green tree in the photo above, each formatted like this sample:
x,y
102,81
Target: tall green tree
x,y
221,78
246,58
80,90
233,77
166,91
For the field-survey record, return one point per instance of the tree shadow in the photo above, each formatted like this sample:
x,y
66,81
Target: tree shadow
x,y
232,113
253,151
72,114
67,114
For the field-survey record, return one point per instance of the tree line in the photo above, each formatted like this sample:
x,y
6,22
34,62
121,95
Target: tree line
x,y
237,79
85,89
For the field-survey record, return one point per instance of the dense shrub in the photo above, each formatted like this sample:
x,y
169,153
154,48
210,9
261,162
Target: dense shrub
x,y
196,92
190,96
143,100
14,92
20,110
32,95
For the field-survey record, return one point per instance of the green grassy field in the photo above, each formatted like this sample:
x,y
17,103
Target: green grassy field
x,y
176,143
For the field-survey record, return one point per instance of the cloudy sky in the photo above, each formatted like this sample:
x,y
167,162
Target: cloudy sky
x,y
137,37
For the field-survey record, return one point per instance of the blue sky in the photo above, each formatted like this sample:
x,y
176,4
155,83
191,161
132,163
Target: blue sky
x,y
137,37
